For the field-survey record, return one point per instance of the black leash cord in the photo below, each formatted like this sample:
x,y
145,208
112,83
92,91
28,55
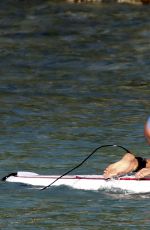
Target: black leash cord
x,y
102,146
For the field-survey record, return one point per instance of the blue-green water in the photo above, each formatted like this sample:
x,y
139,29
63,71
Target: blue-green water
x,y
72,77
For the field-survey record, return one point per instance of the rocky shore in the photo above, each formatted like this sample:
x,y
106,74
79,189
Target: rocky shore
x,y
137,2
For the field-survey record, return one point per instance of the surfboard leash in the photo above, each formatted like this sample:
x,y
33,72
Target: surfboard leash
x,y
82,162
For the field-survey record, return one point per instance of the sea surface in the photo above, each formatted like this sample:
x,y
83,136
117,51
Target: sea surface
x,y
72,77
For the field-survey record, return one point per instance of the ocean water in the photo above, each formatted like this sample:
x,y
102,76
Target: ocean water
x,y
72,77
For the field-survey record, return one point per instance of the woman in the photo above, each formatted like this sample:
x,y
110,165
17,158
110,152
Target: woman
x,y
131,163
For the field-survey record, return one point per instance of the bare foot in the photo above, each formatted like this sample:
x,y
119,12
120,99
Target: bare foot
x,y
127,164
143,173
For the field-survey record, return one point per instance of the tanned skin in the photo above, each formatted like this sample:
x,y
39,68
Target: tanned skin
x,y
129,163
